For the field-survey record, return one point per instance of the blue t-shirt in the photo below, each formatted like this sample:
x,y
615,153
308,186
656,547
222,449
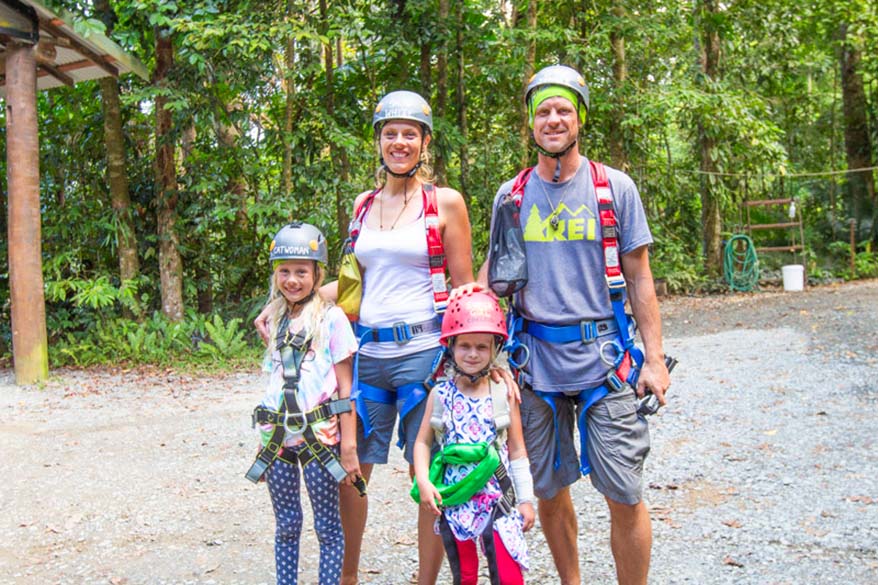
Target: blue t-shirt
x,y
566,274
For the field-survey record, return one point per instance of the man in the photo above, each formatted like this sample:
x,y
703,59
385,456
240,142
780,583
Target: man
x,y
570,330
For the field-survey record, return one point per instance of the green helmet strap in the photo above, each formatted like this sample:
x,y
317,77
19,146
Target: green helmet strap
x,y
485,454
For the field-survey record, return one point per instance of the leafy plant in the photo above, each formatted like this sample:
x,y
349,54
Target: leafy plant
x,y
224,340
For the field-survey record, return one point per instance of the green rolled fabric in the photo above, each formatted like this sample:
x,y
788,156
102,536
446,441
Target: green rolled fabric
x,y
457,454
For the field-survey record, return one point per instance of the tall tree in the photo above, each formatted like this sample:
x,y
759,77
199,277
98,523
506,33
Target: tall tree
x,y
340,155
117,172
170,261
858,144
618,155
711,219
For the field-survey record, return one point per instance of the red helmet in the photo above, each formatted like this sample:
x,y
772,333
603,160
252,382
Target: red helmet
x,y
476,312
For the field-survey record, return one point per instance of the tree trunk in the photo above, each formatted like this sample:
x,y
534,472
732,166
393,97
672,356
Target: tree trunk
x,y
425,69
529,65
117,171
440,166
858,147
289,103
618,156
170,262
228,135
711,218
339,154
461,101
117,178
29,344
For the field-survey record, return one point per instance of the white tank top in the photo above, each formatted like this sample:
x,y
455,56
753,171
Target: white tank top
x,y
396,285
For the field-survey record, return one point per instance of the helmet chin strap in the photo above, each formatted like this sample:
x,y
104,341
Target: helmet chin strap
x,y
473,378
556,155
407,175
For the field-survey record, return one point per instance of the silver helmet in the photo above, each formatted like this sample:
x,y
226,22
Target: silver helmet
x,y
403,105
560,75
298,241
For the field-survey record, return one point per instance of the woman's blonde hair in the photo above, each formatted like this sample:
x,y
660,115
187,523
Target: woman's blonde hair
x,y
313,311
425,171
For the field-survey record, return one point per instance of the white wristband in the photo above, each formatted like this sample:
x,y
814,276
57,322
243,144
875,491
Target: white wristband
x,y
519,471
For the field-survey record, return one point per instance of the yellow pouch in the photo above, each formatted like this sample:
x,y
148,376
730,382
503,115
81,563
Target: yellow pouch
x,y
350,283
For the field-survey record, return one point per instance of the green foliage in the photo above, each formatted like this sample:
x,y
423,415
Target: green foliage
x,y
224,340
773,111
156,341
865,261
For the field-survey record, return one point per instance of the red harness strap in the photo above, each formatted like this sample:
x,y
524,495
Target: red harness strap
x,y
609,226
435,248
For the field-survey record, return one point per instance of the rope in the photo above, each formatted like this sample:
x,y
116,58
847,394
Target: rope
x,y
789,175
740,265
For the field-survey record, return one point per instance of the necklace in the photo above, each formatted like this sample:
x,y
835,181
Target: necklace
x,y
405,197
553,217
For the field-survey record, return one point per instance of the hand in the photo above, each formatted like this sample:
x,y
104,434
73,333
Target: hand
x,y
513,392
527,513
654,377
466,289
430,497
351,463
261,324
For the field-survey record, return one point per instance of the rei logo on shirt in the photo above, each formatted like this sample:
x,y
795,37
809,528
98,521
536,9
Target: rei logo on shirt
x,y
573,225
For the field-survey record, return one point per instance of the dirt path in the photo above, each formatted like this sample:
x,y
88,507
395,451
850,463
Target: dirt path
x,y
761,470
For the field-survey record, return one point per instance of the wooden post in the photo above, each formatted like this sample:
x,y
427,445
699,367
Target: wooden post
x,y
29,346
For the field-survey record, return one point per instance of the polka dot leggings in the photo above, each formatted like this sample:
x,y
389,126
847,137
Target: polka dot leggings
x,y
283,486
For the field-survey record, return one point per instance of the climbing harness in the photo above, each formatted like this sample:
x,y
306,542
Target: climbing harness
x,y
401,332
435,249
484,453
488,464
740,263
620,352
289,418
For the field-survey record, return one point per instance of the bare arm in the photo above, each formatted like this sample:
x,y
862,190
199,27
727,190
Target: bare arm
x,y
430,497
456,236
644,305
518,452
347,421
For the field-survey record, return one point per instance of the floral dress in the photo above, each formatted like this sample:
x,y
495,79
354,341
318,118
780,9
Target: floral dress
x,y
471,420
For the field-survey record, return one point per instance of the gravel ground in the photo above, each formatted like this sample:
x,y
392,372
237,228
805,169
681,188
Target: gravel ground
x,y
762,469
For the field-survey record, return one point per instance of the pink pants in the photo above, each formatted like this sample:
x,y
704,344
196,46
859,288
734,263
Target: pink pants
x,y
504,570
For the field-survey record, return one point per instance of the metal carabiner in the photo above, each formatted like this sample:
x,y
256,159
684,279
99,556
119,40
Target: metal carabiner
x,y
295,416
620,351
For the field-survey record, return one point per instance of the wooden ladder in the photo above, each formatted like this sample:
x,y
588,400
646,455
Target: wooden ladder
x,y
797,240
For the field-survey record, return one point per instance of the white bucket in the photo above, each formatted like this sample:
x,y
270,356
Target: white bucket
x,y
793,277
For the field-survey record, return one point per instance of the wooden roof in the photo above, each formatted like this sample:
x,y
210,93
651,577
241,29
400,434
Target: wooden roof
x,y
65,57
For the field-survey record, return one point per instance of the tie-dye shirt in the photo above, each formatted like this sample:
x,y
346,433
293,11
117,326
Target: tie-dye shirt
x,y
317,383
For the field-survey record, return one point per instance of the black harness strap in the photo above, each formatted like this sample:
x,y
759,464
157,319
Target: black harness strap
x,y
292,350
291,418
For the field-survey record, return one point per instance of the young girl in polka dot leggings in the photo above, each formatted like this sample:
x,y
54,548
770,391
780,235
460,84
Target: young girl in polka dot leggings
x,y
315,373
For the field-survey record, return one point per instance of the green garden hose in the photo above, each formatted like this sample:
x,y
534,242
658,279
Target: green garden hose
x,y
740,265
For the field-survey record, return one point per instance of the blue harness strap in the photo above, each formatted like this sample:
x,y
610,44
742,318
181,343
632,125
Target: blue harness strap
x,y
410,394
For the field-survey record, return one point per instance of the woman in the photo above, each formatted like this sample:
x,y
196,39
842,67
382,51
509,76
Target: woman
x,y
399,321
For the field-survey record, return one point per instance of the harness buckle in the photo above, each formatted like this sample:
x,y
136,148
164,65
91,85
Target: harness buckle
x,y
295,416
401,332
616,283
588,331
504,504
614,381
